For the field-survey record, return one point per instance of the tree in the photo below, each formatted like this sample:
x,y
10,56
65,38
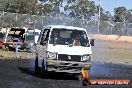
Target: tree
x,y
120,14
50,6
104,15
19,6
81,9
129,16
30,6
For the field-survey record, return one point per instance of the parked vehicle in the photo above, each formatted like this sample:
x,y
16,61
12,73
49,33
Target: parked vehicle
x,y
14,36
31,39
2,35
63,49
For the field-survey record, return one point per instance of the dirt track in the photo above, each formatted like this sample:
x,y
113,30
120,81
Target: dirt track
x,y
20,74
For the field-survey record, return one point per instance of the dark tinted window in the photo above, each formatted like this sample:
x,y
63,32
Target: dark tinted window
x,y
31,33
45,36
30,38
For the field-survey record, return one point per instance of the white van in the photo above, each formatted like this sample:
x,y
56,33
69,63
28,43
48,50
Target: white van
x,y
63,49
31,39
32,35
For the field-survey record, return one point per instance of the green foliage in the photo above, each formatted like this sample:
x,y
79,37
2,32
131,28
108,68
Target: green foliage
x,y
29,6
80,8
104,15
19,6
129,16
120,14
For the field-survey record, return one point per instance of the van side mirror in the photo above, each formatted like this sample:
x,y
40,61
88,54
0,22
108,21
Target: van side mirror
x,y
42,43
92,42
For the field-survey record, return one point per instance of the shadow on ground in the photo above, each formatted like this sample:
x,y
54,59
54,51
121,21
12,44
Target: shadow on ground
x,y
51,75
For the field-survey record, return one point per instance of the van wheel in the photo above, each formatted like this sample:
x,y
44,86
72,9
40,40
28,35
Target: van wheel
x,y
37,68
44,73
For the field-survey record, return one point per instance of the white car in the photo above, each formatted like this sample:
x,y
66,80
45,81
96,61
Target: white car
x,y
64,49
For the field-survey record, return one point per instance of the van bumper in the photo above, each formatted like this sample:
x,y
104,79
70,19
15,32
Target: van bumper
x,y
13,45
67,66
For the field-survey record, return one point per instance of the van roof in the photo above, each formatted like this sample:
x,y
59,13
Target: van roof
x,y
63,26
36,30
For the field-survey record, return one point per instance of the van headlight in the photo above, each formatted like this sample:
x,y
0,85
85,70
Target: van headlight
x,y
86,58
51,55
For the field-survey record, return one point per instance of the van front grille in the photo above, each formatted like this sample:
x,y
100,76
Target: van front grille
x,y
65,57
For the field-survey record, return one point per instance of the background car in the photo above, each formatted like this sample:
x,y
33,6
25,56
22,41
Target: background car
x,y
31,39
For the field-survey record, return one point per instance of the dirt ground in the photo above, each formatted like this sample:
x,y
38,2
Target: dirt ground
x,y
112,52
111,37
19,73
13,54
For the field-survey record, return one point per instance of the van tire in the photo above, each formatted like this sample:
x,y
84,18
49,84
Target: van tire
x,y
37,68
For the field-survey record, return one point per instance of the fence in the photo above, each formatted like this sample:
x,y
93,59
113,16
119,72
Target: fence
x,y
35,21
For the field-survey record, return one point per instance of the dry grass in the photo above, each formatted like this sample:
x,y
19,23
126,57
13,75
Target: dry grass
x,y
112,37
113,52
13,55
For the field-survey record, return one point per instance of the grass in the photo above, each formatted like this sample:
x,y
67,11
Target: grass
x,y
12,54
113,52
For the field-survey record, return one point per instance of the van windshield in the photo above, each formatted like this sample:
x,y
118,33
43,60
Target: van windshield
x,y
30,35
69,37
30,38
33,33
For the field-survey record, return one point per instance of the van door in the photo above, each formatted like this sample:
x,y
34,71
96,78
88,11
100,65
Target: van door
x,y
42,46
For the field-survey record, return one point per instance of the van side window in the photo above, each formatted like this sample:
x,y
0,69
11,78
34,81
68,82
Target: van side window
x,y
39,38
45,36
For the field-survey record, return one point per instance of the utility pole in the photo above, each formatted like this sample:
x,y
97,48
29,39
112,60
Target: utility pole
x,y
99,16
34,27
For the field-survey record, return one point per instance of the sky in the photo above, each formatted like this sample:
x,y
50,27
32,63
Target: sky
x,y
109,5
